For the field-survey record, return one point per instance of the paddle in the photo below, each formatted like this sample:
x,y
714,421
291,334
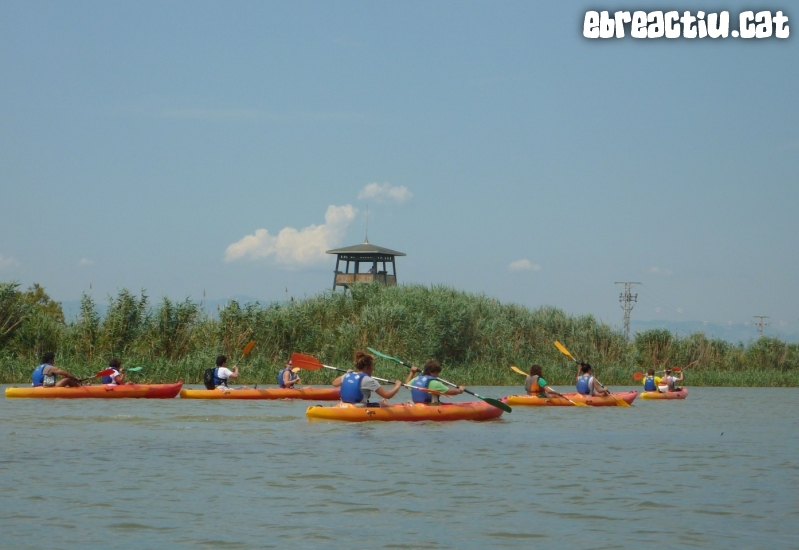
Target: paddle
x,y
619,401
514,368
638,376
105,372
246,351
309,362
494,402
133,369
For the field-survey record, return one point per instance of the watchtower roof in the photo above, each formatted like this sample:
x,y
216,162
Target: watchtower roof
x,y
366,248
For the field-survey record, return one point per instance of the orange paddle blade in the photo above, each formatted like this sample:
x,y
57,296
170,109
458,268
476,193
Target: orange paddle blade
x,y
638,376
105,372
564,351
247,349
307,362
676,369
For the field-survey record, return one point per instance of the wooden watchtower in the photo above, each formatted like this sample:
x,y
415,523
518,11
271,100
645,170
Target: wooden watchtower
x,y
365,256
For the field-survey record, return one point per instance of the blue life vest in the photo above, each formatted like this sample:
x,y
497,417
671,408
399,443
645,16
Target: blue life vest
x,y
38,375
351,387
649,384
421,381
219,381
584,384
109,379
280,377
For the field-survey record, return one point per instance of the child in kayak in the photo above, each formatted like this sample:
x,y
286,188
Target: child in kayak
x,y
536,385
429,379
357,386
116,378
651,382
668,382
587,384
47,374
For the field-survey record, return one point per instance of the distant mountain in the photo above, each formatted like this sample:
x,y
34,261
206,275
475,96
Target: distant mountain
x,y
731,333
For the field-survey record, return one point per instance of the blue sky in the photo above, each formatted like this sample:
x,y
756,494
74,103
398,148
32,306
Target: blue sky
x,y
141,141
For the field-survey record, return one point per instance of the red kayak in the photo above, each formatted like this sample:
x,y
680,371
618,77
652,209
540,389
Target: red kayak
x,y
102,391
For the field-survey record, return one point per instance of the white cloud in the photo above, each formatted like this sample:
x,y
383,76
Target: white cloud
x,y
83,262
8,262
382,192
296,248
523,265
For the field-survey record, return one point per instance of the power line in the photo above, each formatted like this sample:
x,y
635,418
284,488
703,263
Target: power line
x,y
627,299
761,322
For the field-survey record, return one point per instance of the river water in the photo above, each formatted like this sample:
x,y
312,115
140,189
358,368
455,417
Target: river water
x,y
720,469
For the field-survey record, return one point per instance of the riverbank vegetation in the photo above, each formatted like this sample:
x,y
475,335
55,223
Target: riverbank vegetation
x,y
476,338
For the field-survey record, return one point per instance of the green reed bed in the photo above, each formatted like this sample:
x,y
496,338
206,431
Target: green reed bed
x,y
475,337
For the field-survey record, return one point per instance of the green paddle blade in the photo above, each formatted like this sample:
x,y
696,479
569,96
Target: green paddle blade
x,y
134,369
497,403
384,356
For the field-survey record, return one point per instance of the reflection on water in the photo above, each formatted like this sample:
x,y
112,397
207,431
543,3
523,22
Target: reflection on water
x,y
720,469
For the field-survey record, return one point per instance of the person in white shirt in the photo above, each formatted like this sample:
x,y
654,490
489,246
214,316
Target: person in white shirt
x,y
116,378
222,374
668,382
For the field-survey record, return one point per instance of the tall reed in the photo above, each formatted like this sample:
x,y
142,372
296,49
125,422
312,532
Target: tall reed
x,y
476,338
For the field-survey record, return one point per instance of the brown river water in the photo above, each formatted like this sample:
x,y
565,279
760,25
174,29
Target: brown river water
x,y
718,470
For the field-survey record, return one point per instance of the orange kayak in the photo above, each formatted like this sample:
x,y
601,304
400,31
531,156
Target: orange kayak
x,y
596,401
406,412
103,391
682,394
314,394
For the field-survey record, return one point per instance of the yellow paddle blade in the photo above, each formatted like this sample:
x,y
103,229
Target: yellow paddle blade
x,y
619,401
514,368
564,351
247,349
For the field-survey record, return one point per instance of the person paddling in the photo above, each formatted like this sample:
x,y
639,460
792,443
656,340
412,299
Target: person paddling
x,y
47,374
651,382
536,385
222,374
116,378
587,384
287,377
357,386
429,379
668,382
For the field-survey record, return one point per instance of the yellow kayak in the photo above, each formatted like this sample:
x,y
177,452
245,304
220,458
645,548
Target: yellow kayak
x,y
593,401
681,394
